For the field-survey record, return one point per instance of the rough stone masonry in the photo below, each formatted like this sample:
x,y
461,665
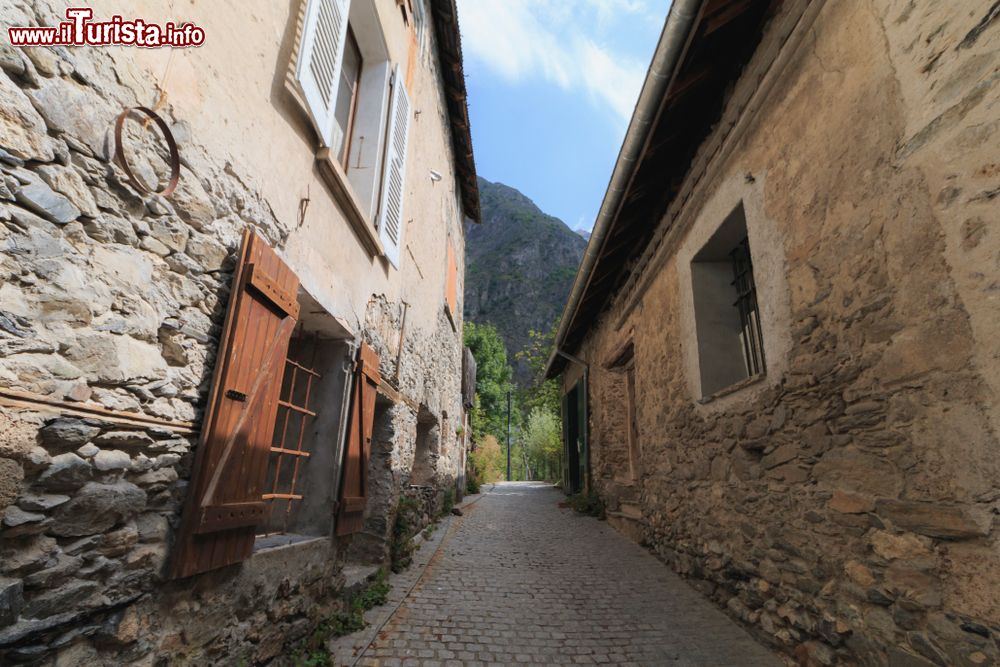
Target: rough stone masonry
x,y
844,506
113,298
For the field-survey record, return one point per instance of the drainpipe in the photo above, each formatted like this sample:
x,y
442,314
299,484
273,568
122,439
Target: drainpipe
x,y
586,399
673,40
345,418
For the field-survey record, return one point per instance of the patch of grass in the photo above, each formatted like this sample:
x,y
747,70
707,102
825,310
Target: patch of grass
x,y
587,503
401,549
449,501
312,651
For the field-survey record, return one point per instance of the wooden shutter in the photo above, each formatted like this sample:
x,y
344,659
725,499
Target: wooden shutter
x,y
390,223
321,53
354,472
223,503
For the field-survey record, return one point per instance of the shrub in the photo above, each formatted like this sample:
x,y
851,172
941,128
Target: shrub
x,y
448,501
401,549
587,503
471,485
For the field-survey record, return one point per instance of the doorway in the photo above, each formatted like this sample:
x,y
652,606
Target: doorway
x,y
575,438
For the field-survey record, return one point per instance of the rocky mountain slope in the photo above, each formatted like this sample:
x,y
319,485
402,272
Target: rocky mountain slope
x,y
520,265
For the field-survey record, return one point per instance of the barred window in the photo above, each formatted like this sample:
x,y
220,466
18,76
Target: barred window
x,y
727,315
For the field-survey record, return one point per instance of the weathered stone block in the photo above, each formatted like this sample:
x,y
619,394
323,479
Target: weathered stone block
x,y
22,130
60,599
782,454
44,201
124,439
66,472
935,519
850,503
11,474
850,469
68,182
113,459
892,546
76,111
88,451
97,507
17,436
152,527
171,232
67,433
117,359
26,555
11,600
208,252
64,567
14,516
41,502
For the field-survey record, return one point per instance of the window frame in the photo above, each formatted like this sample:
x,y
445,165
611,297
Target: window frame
x,y
356,179
352,110
729,339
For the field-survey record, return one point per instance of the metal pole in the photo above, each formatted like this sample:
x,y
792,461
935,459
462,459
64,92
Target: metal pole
x,y
508,436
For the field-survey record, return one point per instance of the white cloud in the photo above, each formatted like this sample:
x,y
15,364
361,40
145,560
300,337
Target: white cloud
x,y
560,42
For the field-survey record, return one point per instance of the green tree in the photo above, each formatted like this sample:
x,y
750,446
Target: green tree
x,y
493,382
542,444
488,461
542,394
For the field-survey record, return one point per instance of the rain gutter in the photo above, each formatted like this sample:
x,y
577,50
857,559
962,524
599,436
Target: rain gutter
x,y
669,51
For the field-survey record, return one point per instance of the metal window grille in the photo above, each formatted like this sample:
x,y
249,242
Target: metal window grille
x,y
286,460
746,305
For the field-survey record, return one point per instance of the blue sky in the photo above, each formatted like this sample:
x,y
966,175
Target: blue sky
x,y
552,85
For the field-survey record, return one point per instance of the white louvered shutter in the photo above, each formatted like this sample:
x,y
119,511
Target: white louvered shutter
x,y
390,222
324,33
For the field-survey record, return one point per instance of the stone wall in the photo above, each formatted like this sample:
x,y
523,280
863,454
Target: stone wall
x,y
844,506
111,300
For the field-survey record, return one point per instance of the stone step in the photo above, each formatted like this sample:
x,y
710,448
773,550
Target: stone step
x,y
630,510
629,526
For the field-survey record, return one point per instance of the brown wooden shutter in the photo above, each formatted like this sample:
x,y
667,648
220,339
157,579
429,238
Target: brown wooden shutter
x,y
223,504
354,472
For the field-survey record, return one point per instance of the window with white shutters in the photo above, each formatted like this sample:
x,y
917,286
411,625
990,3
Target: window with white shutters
x,y
390,219
321,54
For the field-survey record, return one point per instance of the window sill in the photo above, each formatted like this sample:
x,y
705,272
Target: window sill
x,y
265,544
733,388
336,179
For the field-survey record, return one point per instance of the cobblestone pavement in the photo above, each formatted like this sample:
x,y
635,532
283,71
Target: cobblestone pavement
x,y
518,580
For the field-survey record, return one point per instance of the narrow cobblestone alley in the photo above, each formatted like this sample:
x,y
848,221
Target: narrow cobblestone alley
x,y
519,580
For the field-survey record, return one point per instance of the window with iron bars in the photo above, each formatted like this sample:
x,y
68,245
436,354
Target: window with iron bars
x,y
746,306
289,454
730,339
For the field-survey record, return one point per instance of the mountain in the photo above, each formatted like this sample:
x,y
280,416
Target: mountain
x,y
519,268
585,233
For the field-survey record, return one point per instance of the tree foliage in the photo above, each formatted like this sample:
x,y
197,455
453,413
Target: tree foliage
x,y
493,382
542,444
542,394
488,461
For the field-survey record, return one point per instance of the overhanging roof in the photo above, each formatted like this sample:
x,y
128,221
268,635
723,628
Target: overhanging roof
x,y
704,46
449,44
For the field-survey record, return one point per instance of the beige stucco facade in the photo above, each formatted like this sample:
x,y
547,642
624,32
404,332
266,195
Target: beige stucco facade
x,y
116,300
842,505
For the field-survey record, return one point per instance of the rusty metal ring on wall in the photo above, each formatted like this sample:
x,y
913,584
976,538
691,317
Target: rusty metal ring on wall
x,y
175,158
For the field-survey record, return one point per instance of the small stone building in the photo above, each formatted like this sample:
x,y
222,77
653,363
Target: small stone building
x,y
781,356
230,320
